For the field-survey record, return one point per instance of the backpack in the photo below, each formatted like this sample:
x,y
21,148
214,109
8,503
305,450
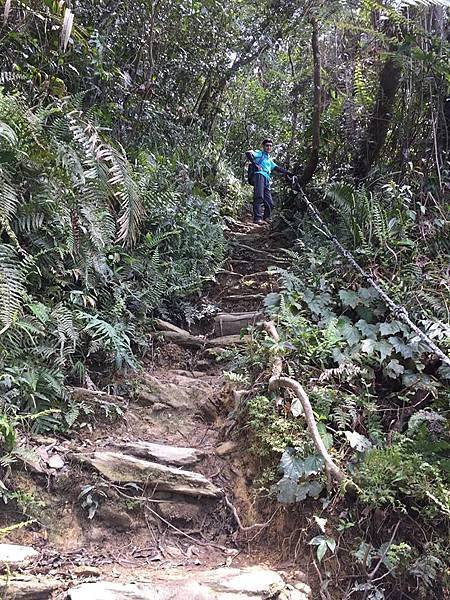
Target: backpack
x,y
251,172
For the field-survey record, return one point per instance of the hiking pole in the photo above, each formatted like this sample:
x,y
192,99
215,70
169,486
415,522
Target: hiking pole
x,y
398,310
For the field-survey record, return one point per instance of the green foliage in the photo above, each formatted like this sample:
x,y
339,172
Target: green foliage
x,y
401,477
294,468
273,431
91,246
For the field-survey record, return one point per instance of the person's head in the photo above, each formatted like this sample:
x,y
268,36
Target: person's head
x,y
267,145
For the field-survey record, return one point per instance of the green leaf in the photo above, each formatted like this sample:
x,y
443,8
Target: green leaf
x,y
393,369
369,293
357,441
296,408
40,311
321,523
364,554
321,550
384,348
389,328
368,346
348,332
323,542
349,298
313,464
327,438
291,465
370,331
286,490
331,543
272,300
406,350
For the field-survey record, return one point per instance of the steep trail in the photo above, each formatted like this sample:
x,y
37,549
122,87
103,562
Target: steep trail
x,y
151,505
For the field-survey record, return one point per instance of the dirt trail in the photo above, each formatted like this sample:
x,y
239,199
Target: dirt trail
x,y
154,497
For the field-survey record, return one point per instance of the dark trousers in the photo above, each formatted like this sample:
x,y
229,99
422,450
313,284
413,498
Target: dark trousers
x,y
262,198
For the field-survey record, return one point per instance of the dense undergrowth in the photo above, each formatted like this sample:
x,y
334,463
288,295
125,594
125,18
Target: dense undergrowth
x,y
93,243
379,398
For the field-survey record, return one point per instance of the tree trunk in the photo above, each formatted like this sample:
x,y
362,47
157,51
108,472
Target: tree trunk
x,y
380,121
313,161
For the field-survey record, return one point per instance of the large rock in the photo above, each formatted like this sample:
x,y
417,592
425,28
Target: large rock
x,y
14,555
182,393
167,455
28,588
252,583
122,468
106,590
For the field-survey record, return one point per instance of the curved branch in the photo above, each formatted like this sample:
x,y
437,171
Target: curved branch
x,y
277,381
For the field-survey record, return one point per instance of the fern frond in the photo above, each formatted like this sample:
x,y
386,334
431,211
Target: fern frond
x,y
9,198
12,285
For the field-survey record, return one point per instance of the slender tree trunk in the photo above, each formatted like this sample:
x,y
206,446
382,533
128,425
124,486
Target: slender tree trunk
x,y
380,121
313,161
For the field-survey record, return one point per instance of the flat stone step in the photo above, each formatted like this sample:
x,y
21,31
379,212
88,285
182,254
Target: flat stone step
x,y
250,583
232,323
15,555
122,468
181,394
162,453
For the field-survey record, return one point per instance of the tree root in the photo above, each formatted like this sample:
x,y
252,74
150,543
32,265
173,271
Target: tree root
x,y
276,381
248,527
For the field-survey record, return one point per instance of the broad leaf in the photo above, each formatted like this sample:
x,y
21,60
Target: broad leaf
x,y
313,464
357,441
349,298
291,465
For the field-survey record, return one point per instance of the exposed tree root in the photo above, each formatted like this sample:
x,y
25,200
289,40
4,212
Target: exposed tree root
x,y
277,381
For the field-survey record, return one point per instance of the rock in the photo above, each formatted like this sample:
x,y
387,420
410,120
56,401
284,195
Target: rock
x,y
55,462
255,582
85,571
185,393
126,469
251,583
179,511
226,448
115,518
232,323
292,593
167,455
14,555
303,588
27,588
191,374
106,590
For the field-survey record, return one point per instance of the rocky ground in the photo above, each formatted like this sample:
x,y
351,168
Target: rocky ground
x,y
155,502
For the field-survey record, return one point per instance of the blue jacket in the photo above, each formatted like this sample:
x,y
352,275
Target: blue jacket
x,y
264,163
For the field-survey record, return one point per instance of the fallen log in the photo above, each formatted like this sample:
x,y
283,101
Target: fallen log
x,y
80,394
227,340
182,339
192,341
244,297
166,326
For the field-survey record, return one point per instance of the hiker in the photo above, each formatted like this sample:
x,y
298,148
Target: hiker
x,y
259,174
